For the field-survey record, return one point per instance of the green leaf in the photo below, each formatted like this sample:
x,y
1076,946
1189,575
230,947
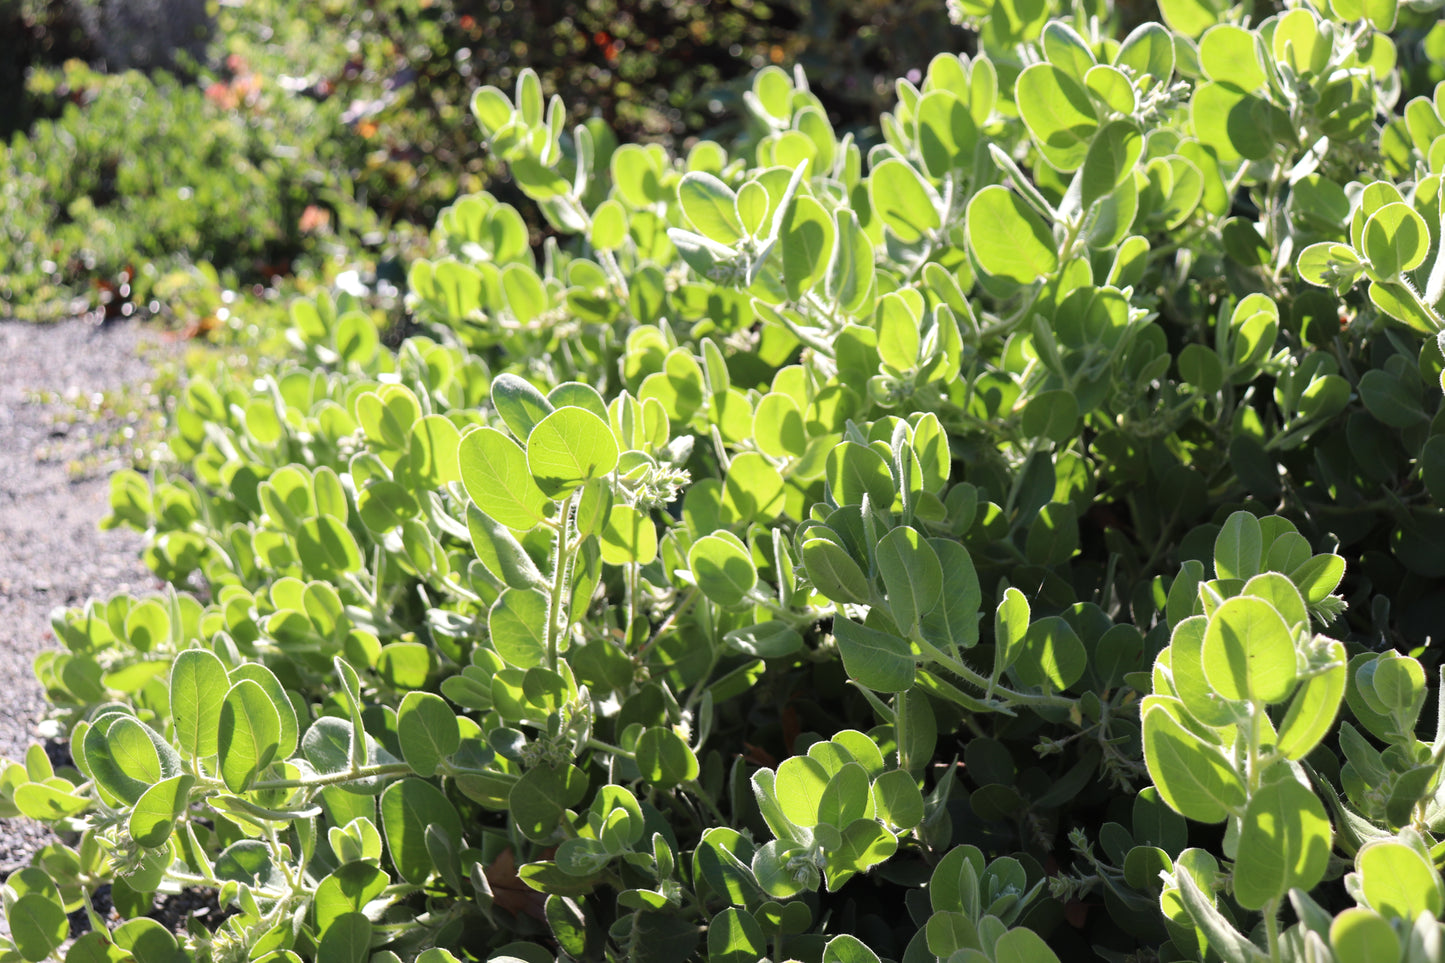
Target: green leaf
x,y
134,751
519,404
1186,666
1053,535
1051,655
1280,592
582,857
525,294
266,679
723,568
575,394
955,620
766,640
1396,240
1248,652
848,949
500,552
1239,547
734,936
898,333
1360,935
144,939
594,507
799,786
1298,42
630,537
1058,113
327,548
1313,709
1007,238
155,813
664,758
1398,881
1396,403
1190,17
637,174
1234,122
875,660
250,734
1228,53
347,890
711,206
1053,415
408,807
39,801
753,490
38,925
609,226
850,270
1397,302
492,110
1010,625
911,574
753,204
538,181
1194,870
517,622
903,200
947,933
806,239
1110,85
1193,777
147,625
855,470
1382,13
865,845
947,134
1023,946
1148,51
897,799
1112,154
1393,686
198,684
426,728
1284,842
540,799
384,505
97,761
774,92
1319,577
834,573
848,796
569,448
347,940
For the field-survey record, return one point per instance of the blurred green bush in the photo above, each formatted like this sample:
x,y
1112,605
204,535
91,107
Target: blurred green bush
x,y
321,127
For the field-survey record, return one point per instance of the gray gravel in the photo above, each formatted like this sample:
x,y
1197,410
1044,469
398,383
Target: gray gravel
x,y
55,459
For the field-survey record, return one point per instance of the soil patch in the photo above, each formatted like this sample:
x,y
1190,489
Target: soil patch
x,y
67,394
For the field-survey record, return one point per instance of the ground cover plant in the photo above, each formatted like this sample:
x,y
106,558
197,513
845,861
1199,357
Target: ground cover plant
x,y
1020,541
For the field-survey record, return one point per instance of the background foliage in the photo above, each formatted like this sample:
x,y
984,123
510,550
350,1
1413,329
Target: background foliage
x,y
347,122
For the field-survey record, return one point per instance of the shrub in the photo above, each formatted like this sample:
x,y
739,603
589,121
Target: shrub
x,y
144,173
1017,543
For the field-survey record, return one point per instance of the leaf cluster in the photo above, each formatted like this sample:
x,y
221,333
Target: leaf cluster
x,y
995,544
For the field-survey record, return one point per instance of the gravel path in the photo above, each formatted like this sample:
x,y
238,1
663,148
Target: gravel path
x,y
57,432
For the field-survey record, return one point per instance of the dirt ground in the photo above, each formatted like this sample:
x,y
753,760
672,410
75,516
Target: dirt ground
x,y
64,389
